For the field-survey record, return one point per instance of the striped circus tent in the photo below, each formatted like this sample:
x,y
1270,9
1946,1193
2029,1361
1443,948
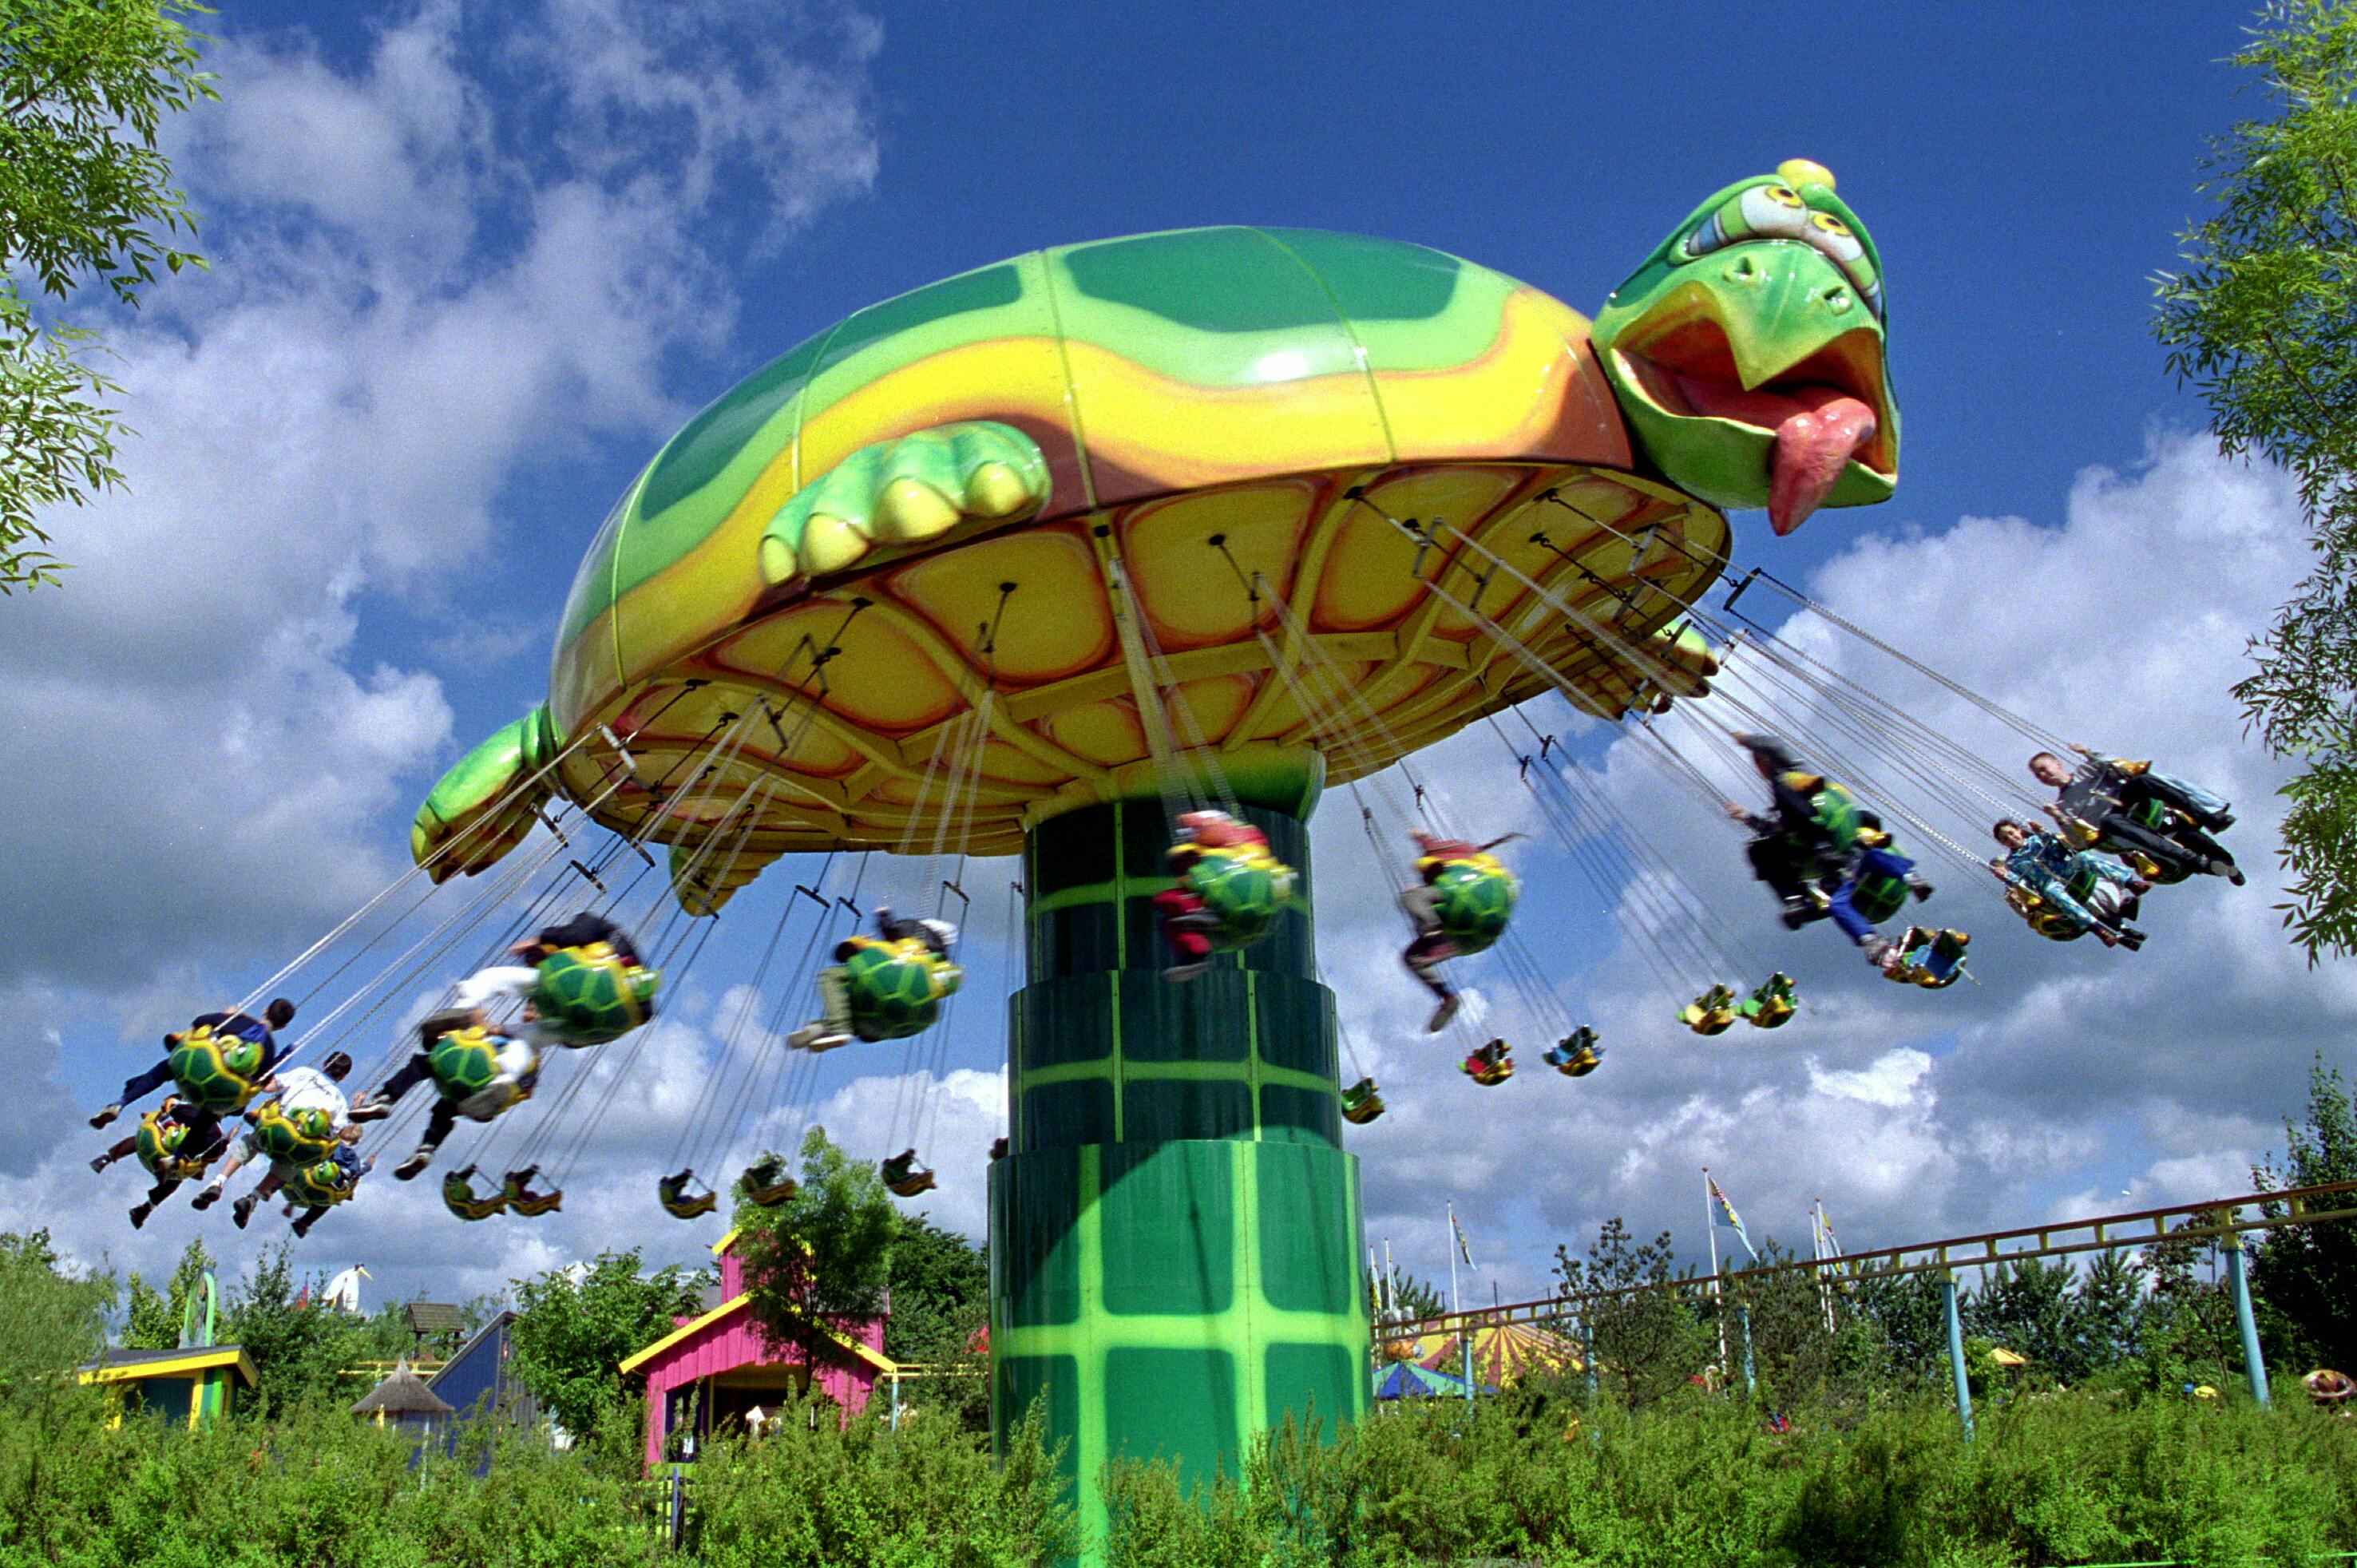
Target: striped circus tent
x,y
1405,1380
1503,1353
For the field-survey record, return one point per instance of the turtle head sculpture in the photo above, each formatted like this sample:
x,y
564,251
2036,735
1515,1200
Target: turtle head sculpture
x,y
1747,351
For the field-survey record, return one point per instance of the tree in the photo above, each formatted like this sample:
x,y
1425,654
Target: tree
x,y
2026,1308
2109,1304
153,1322
941,1303
1912,1319
573,1328
2306,1274
2262,321
825,1252
1411,1297
50,1321
86,198
298,1347
1647,1341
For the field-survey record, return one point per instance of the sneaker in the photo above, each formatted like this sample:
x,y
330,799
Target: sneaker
x,y
2131,939
304,1223
816,1037
107,1115
1185,971
2229,870
242,1209
416,1162
2221,823
139,1215
1443,1013
1921,888
205,1199
98,1162
370,1107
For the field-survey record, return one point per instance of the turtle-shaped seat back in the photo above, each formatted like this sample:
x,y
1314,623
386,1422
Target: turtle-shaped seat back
x,y
587,995
467,1069
1877,897
1835,809
1242,887
1361,1103
1772,1006
298,1137
1930,958
323,1183
1493,1064
164,1144
1577,1054
458,1196
218,1071
1473,898
895,989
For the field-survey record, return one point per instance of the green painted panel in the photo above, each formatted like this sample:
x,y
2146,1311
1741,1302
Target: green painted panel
x,y
1206,280
1035,1203
1063,1021
1294,1022
1172,1405
706,444
1169,1219
1146,836
1289,948
971,307
1299,1115
1375,279
1319,1381
1078,938
1066,1115
1204,1019
1186,1108
1308,1244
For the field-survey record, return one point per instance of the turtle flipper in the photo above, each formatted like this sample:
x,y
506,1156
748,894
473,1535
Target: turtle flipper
x,y
906,490
704,877
483,807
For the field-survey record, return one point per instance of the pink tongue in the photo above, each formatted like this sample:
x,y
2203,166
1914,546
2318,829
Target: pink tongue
x,y
1812,447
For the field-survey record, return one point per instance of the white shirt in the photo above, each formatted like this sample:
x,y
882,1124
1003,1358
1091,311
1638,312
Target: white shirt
x,y
308,1089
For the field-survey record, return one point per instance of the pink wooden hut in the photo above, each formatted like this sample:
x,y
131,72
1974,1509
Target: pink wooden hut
x,y
713,1371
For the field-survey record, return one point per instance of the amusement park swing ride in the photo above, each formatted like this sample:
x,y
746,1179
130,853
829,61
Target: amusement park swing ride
x,y
1116,557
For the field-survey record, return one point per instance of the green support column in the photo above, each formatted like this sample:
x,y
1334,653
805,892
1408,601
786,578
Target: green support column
x,y
1175,1233
2255,1366
1956,1351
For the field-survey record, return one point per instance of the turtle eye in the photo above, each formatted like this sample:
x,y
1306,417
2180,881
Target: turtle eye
x,y
1835,238
1775,209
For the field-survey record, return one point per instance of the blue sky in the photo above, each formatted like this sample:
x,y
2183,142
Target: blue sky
x,y
473,263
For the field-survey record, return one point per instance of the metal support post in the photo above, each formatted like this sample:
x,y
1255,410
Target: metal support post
x,y
1750,1382
1956,1351
2253,1365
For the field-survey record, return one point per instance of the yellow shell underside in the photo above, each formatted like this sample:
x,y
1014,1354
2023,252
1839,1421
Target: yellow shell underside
x,y
881,747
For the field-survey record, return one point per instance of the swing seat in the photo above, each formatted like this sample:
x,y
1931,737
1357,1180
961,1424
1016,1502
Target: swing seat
x,y
765,1185
2053,924
590,994
217,1072
1931,959
672,1191
1712,1013
1490,1066
516,1188
301,1137
1772,1006
482,1072
458,1196
904,1180
895,989
160,1142
1577,1054
1361,1103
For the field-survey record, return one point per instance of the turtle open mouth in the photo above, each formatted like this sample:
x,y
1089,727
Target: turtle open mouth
x,y
1823,412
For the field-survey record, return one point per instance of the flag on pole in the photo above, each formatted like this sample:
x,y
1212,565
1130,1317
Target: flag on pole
x,y
1826,1233
1728,1217
1462,1251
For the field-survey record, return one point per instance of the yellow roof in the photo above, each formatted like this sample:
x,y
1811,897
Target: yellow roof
x,y
2005,1357
729,1308
177,1364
